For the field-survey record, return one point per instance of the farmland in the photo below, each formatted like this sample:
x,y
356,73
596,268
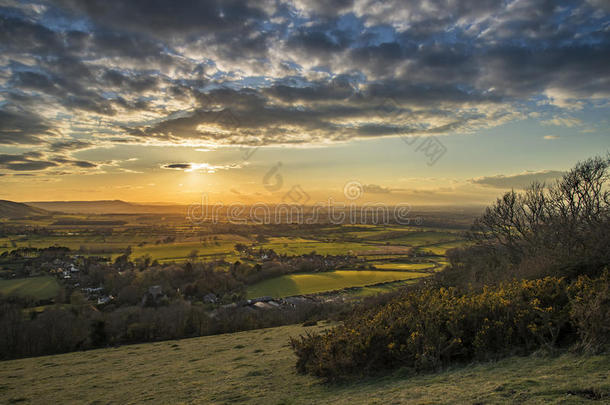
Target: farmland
x,y
258,367
78,274
311,283
169,238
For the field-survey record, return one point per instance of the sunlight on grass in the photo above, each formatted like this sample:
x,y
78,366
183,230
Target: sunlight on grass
x,y
311,283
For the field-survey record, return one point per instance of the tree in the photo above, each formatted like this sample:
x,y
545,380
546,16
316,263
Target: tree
x,y
566,222
193,255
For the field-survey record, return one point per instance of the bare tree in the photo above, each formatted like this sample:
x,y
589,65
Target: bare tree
x,y
568,220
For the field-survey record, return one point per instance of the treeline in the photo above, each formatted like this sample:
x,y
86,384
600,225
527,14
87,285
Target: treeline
x,y
150,302
559,230
80,326
536,278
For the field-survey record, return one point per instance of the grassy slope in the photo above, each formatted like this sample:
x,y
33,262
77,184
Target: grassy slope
x,y
258,367
11,209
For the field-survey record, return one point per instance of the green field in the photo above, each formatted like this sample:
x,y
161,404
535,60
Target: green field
x,y
311,283
404,266
41,288
299,246
181,250
441,248
257,367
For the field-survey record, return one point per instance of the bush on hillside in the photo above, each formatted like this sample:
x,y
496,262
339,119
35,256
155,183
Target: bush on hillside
x,y
433,327
590,312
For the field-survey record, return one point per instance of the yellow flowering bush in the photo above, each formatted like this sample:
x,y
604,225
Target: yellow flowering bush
x,y
432,327
590,311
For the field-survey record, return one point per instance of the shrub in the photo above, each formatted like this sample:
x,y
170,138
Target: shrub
x,y
429,328
590,311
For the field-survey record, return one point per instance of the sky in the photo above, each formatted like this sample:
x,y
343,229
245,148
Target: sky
x,y
437,102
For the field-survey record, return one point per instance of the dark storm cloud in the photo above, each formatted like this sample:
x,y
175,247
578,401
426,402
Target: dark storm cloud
x,y
136,83
317,40
252,72
38,161
19,36
73,162
24,162
159,17
581,69
177,166
66,146
22,128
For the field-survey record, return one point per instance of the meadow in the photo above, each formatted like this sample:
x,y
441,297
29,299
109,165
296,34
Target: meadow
x,y
257,367
40,288
311,283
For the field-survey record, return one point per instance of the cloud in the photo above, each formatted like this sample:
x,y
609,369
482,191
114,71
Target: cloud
x,y
204,167
73,145
36,161
24,162
21,128
551,137
375,189
177,166
563,122
290,72
519,181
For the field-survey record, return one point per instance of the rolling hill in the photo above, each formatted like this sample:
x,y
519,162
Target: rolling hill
x,y
258,367
11,209
105,207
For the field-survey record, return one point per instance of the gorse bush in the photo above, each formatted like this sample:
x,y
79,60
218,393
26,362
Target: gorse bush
x,y
433,327
590,312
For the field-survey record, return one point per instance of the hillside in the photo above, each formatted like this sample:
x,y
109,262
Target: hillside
x,y
105,207
258,367
11,209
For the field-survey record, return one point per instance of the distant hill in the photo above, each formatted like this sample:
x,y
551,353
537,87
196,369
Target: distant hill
x,y
11,209
103,207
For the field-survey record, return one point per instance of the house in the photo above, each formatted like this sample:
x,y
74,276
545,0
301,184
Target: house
x,y
105,299
259,299
263,305
153,296
155,291
210,298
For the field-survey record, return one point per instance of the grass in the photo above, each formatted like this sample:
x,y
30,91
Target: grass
x,y
441,248
404,266
303,246
310,283
257,367
379,288
181,250
41,288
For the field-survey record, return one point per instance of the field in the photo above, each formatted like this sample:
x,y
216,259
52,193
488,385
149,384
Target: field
x,y
257,367
391,249
41,288
311,283
404,266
